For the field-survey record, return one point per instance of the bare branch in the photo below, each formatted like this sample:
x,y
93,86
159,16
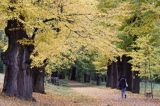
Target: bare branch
x,y
89,18
51,19
80,14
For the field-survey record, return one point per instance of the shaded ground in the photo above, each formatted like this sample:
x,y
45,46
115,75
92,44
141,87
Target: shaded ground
x,y
111,97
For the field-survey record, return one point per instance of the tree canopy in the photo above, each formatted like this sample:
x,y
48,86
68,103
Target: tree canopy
x,y
139,32
59,29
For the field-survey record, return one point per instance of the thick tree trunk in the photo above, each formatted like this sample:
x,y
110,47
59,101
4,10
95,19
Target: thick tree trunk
x,y
18,75
124,62
135,82
133,79
127,71
116,70
113,75
54,78
61,75
98,79
86,77
108,81
38,80
73,73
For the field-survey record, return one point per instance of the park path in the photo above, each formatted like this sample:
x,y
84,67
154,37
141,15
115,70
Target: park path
x,y
111,97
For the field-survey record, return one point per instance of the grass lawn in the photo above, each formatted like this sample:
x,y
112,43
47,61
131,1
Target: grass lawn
x,y
156,89
65,91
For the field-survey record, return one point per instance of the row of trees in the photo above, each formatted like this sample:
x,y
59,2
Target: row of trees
x,y
139,33
60,34
48,35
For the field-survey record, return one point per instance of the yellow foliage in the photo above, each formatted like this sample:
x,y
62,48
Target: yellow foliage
x,y
79,22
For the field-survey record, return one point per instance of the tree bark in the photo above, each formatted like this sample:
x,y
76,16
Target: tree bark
x,y
18,75
117,69
54,77
87,77
73,73
61,75
108,81
135,82
38,80
113,75
127,71
38,74
98,80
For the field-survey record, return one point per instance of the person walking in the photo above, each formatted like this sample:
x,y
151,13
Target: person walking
x,y
123,85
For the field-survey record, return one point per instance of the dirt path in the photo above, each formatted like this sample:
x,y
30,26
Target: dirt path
x,y
111,97
104,97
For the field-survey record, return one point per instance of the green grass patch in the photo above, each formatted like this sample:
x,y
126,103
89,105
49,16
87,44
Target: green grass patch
x,y
156,89
62,90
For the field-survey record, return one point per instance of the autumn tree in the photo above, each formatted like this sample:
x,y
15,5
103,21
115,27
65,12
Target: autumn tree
x,y
138,32
139,35
146,47
37,30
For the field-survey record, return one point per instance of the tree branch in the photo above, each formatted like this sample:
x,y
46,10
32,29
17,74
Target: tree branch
x,y
36,29
59,19
34,33
76,32
51,19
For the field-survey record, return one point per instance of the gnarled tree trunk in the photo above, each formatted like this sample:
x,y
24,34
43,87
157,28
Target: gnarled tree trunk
x,y
73,73
112,75
108,81
38,77
18,76
119,68
135,82
38,80
87,77
98,79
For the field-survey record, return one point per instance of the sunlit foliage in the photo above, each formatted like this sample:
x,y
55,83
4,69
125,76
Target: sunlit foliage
x,y
138,32
57,27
